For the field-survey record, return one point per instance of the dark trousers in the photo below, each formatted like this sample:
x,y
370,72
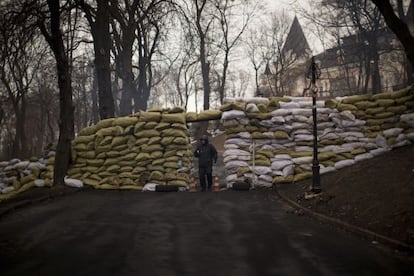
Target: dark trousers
x,y
204,172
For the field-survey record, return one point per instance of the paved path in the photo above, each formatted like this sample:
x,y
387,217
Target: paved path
x,y
227,233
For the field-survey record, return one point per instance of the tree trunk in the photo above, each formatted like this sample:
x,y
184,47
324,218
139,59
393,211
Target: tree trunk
x,y
66,117
127,77
205,71
223,77
95,108
102,46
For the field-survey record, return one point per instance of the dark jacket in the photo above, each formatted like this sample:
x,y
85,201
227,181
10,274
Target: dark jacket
x,y
206,154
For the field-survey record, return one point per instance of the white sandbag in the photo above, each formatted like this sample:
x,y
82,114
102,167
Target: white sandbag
x,y
245,135
401,137
379,151
285,128
232,114
351,133
347,115
327,170
259,170
410,136
235,164
281,157
289,105
231,146
288,170
350,146
306,167
237,141
334,148
36,165
14,161
39,183
407,117
303,148
326,125
392,132
302,131
401,144
21,165
353,123
278,120
71,182
344,163
149,187
266,123
301,119
231,178
4,164
325,110
363,156
230,158
302,160
381,141
267,147
329,136
266,178
252,108
277,173
301,112
7,190
280,112
280,164
303,137
236,152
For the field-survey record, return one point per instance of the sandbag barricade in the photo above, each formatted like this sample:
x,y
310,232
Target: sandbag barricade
x,y
270,140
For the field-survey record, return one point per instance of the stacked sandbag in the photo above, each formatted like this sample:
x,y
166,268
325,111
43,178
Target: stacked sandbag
x,y
129,152
17,176
272,139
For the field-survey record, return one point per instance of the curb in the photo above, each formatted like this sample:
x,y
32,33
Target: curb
x,y
26,202
392,243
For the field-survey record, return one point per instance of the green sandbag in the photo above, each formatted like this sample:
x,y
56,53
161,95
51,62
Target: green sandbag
x,y
90,182
274,101
84,139
343,107
174,133
179,126
263,108
107,187
82,147
331,103
87,131
156,154
103,141
191,116
113,154
131,187
209,115
374,122
266,153
138,170
385,102
404,100
73,171
383,115
154,140
145,116
397,109
113,168
365,104
374,110
356,98
259,116
347,155
176,109
156,175
282,179
129,130
119,140
125,121
391,141
102,149
180,141
233,106
259,135
95,162
177,182
161,126
167,140
260,162
142,156
105,123
328,163
243,170
151,148
128,157
173,118
158,109
281,135
147,133
358,151
233,130
252,129
296,154
172,165
142,141
323,156
87,154
359,114
110,131
127,163
150,125
26,179
139,126
121,148
302,176
371,134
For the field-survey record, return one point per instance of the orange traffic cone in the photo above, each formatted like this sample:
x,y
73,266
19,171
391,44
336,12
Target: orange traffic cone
x,y
216,184
192,185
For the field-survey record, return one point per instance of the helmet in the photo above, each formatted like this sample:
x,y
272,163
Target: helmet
x,y
204,137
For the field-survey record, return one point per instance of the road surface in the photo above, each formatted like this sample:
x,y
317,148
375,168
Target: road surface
x,y
228,233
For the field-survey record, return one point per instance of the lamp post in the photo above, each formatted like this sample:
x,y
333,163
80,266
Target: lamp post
x,y
314,74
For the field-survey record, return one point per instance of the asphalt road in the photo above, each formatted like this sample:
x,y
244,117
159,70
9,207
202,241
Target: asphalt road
x,y
227,233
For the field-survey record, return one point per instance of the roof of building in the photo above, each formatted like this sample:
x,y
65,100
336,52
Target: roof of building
x,y
296,40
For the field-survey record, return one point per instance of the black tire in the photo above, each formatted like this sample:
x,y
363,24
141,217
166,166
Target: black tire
x,y
166,188
241,186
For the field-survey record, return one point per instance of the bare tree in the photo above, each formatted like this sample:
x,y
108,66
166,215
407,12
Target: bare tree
x,y
99,19
52,33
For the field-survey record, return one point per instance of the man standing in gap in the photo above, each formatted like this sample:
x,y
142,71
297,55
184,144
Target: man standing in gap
x,y
206,154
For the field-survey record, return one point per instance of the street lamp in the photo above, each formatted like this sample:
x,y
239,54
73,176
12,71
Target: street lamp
x,y
313,74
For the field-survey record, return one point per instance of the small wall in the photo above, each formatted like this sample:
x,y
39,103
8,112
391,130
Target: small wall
x,y
270,139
